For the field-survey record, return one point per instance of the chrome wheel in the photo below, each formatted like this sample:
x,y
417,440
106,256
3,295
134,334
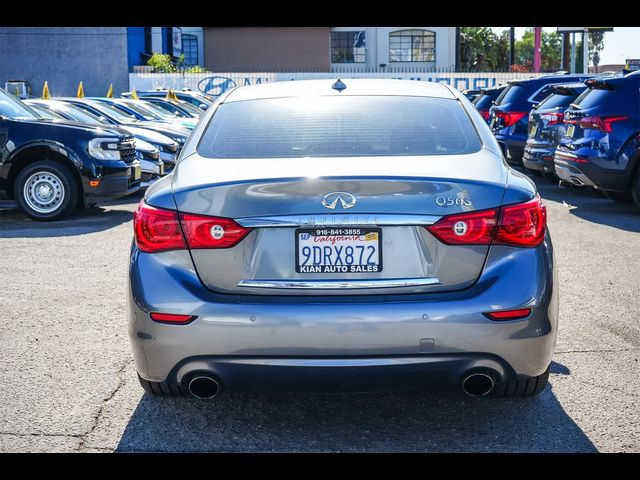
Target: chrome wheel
x,y
44,192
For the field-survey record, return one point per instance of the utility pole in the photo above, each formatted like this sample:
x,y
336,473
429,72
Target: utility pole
x,y
566,51
512,46
573,52
537,54
585,51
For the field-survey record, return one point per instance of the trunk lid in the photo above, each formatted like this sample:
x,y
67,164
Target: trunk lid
x,y
399,196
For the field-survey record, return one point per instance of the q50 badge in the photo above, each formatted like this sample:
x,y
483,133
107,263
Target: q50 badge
x,y
449,201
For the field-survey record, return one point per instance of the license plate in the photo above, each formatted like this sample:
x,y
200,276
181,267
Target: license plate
x,y
137,172
570,130
338,250
161,171
534,130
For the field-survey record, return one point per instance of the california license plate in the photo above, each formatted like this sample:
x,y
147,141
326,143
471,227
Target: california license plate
x,y
570,130
338,250
137,172
534,130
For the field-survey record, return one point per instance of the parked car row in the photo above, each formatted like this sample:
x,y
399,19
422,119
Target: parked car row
x,y
581,129
63,153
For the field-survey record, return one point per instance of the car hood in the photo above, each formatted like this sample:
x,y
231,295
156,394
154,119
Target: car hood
x,y
93,130
147,135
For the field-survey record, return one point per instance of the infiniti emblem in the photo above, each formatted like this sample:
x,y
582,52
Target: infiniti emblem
x,y
346,199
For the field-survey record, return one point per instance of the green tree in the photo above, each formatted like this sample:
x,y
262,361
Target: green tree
x,y
596,44
477,49
551,49
161,63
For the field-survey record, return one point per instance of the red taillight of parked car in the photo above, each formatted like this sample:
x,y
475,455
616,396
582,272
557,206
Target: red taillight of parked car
x,y
509,118
172,318
485,114
211,232
521,225
604,124
554,118
156,229
159,230
504,315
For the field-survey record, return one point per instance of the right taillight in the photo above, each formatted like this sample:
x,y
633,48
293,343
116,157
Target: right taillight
x,y
522,225
159,230
509,118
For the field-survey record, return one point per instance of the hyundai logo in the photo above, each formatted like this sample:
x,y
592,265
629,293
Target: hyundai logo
x,y
215,86
346,199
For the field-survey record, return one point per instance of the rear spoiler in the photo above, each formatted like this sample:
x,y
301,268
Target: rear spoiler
x,y
599,84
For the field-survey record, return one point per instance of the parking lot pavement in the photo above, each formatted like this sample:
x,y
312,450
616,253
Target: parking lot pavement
x,y
69,384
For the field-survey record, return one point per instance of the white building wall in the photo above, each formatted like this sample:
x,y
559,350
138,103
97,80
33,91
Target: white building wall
x,y
377,47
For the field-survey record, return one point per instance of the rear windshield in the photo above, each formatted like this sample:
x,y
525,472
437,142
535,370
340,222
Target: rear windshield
x,y
555,100
592,97
510,94
339,126
483,102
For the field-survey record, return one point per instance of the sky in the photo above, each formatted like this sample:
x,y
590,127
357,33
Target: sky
x,y
622,43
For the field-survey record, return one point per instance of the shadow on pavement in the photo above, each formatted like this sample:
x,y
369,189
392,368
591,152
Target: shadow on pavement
x,y
15,224
590,205
382,422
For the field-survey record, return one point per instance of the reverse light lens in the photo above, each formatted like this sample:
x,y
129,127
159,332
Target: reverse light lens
x,y
157,230
172,318
211,232
554,118
508,314
521,225
474,228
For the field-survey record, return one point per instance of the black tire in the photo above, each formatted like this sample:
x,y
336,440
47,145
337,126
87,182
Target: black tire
x,y
619,197
635,188
523,388
58,179
161,389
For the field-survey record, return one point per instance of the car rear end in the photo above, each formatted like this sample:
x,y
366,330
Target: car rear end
x,y
310,240
602,135
508,118
485,100
546,127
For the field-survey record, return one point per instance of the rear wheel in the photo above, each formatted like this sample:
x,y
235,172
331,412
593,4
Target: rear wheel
x,y
160,389
523,388
635,189
619,197
46,190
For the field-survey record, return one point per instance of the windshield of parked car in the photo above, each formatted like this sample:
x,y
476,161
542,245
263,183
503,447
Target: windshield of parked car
x,y
77,114
510,93
190,109
13,108
556,100
45,113
119,115
147,112
339,126
171,110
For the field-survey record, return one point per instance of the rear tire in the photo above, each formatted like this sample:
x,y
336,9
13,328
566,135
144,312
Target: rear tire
x,y
523,388
46,190
619,197
635,189
161,389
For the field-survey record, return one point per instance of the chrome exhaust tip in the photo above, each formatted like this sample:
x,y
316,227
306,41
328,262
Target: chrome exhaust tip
x,y
204,387
577,181
478,384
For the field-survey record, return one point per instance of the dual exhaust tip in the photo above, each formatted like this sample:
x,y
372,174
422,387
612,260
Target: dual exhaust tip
x,y
205,387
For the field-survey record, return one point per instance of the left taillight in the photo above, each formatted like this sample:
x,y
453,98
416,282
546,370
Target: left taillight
x,y
159,230
522,225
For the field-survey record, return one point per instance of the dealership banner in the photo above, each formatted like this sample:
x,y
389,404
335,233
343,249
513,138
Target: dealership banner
x,y
216,84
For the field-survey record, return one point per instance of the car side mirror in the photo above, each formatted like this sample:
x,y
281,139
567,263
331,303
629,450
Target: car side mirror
x,y
203,106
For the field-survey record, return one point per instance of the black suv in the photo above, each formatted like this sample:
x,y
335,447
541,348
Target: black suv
x,y
602,141
510,113
546,126
50,167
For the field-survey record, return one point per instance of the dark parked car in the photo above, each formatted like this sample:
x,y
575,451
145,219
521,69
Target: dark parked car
x,y
50,167
471,94
546,126
486,99
177,108
600,147
509,116
137,109
196,99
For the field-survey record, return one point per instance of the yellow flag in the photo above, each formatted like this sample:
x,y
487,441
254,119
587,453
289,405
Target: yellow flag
x,y
110,91
134,95
45,91
80,91
171,95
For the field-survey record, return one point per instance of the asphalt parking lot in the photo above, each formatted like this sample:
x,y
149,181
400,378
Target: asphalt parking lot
x,y
69,384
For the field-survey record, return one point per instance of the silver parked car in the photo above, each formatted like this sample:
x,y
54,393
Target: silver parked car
x,y
335,236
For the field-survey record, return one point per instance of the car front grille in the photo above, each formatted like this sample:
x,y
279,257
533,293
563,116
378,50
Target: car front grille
x,y
128,155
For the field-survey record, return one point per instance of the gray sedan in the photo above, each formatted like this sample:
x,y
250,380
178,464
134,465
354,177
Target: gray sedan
x,y
342,236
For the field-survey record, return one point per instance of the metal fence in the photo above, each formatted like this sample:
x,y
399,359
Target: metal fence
x,y
215,84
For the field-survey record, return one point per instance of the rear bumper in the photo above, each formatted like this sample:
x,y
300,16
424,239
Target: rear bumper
x,y
572,174
255,340
536,158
